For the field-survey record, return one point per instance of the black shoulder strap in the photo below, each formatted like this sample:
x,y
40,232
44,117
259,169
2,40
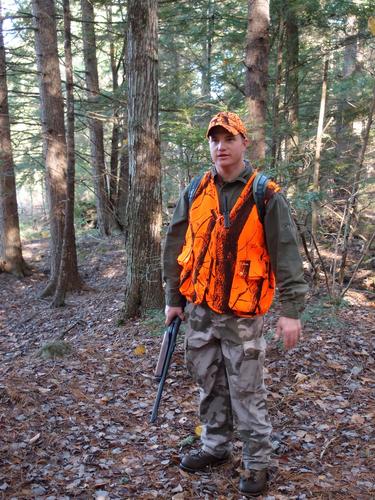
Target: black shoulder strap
x,y
193,187
259,191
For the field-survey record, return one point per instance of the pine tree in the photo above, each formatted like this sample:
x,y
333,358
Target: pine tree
x,y
143,280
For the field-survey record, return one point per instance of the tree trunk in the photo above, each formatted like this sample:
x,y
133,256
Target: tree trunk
x,y
104,213
344,121
11,259
113,175
143,280
123,184
256,61
52,114
319,135
291,87
276,95
68,278
207,63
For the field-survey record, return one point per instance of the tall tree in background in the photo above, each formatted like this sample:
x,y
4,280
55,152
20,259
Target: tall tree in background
x,y
275,140
291,83
256,62
104,213
52,115
143,280
11,259
207,63
318,152
113,171
352,201
68,278
344,116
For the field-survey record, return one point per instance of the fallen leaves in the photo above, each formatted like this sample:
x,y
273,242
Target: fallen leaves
x,y
79,426
357,419
140,350
198,430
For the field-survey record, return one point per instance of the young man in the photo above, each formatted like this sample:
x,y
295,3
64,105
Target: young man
x,y
223,260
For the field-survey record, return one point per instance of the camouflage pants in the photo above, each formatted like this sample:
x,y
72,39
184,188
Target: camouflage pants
x,y
225,356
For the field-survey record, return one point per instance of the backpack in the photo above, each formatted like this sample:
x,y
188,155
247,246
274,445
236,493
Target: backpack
x,y
259,191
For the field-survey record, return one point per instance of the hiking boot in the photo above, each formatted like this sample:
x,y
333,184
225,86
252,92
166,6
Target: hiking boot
x,y
253,482
199,459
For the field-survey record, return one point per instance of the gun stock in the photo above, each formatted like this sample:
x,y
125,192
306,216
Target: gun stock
x,y
165,356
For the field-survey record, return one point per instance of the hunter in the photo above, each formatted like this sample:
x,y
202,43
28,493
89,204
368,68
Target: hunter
x,y
223,258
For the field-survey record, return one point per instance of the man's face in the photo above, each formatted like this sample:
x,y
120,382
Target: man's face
x,y
227,150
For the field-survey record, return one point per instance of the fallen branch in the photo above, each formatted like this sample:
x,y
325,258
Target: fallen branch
x,y
79,322
325,446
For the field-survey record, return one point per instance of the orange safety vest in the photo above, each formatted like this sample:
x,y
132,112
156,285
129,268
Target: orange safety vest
x,y
228,268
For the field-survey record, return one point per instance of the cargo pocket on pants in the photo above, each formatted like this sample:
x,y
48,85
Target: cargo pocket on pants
x,y
189,360
250,377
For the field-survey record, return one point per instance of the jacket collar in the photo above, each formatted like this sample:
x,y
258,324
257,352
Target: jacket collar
x,y
243,177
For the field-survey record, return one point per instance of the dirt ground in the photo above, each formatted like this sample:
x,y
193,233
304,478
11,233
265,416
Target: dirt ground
x,y
78,426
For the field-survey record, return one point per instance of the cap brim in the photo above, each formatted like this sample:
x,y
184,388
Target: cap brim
x,y
230,129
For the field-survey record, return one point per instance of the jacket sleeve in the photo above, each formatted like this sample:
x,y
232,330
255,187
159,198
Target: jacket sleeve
x,y
174,242
282,244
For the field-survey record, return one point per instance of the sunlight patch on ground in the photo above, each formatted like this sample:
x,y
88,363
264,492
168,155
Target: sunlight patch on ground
x,y
112,272
359,298
35,250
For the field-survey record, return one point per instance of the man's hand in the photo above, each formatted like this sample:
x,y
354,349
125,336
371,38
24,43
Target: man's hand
x,y
171,312
290,330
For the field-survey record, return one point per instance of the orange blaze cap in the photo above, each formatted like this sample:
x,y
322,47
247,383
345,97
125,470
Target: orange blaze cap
x,y
229,121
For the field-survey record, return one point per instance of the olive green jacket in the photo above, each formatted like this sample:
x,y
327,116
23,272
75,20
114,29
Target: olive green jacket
x,y
281,238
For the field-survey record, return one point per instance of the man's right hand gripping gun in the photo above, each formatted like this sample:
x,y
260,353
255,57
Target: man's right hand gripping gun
x,y
165,356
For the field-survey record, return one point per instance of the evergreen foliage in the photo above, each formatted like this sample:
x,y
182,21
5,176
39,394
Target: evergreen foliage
x,y
201,45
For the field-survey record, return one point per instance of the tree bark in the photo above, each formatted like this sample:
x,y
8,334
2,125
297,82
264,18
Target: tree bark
x,y
256,62
104,213
69,278
123,184
52,114
11,259
143,280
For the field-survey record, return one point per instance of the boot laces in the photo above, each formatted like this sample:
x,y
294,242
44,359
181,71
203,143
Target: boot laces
x,y
199,452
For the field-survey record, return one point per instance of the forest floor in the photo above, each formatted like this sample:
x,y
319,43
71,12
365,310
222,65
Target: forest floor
x,y
78,426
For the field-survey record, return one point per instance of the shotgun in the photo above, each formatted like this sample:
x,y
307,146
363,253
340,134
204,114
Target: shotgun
x,y
165,356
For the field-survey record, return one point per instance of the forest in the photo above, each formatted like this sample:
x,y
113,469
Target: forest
x,y
104,107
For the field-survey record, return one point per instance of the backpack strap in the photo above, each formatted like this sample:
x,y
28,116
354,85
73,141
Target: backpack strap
x,y
193,186
259,191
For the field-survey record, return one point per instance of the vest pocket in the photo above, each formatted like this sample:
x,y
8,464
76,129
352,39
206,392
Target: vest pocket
x,y
185,254
247,286
185,260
